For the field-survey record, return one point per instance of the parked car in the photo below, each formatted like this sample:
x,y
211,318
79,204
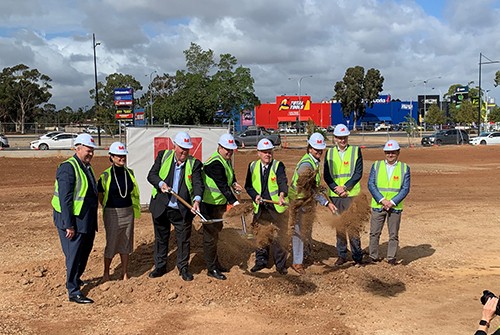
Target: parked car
x,y
450,136
486,138
4,142
93,130
251,137
50,134
382,127
59,141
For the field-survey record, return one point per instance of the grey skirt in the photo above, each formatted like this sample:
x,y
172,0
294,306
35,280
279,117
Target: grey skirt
x,y
119,226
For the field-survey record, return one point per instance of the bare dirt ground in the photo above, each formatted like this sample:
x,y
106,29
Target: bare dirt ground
x,y
449,242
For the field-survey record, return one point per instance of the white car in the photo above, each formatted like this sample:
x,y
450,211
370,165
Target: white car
x,y
93,130
50,134
59,141
4,142
486,138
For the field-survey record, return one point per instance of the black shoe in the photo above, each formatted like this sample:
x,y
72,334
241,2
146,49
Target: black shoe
x,y
257,267
81,299
157,273
340,261
216,274
282,271
186,276
392,261
221,268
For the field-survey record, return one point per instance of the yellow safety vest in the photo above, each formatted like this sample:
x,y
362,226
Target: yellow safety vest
x,y
389,187
342,170
272,184
166,164
106,182
212,195
292,192
81,186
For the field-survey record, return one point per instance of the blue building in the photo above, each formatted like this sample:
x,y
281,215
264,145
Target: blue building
x,y
384,110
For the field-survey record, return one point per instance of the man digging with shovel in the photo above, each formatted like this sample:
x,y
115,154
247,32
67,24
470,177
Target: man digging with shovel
x,y
266,184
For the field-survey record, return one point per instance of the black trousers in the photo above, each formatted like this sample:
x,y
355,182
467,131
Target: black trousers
x,y
162,226
211,234
77,251
278,252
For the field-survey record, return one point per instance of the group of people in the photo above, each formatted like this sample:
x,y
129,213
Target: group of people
x,y
183,187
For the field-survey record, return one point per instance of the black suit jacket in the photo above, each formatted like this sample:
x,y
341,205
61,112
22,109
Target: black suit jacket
x,y
158,204
86,221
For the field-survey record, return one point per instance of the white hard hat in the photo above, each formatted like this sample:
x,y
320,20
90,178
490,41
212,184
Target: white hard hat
x,y
317,141
391,145
183,140
86,140
118,148
227,141
341,130
265,144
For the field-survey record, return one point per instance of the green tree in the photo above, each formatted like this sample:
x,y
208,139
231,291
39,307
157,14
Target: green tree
x,y
494,115
466,113
497,78
22,91
435,115
358,90
193,96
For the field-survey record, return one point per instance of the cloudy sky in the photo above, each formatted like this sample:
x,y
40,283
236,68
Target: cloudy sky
x,y
412,42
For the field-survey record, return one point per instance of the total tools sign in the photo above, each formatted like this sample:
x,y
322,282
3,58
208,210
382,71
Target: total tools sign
x,y
143,145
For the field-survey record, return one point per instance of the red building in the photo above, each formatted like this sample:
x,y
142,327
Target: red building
x,y
288,110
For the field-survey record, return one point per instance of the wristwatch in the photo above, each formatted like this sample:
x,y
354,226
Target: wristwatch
x,y
484,323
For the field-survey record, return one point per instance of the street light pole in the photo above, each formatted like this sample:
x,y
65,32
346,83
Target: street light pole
x,y
94,45
479,108
299,83
151,95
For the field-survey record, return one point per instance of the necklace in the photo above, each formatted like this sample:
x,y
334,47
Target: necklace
x,y
118,184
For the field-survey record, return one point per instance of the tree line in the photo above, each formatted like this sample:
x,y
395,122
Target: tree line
x,y
194,96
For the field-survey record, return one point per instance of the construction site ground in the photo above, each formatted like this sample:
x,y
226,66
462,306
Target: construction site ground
x,y
449,244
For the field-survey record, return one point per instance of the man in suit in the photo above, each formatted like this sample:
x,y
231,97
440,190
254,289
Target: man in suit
x,y
266,180
75,213
219,180
389,184
174,171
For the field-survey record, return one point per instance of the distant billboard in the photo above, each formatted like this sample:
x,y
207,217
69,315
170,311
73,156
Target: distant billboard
x,y
124,102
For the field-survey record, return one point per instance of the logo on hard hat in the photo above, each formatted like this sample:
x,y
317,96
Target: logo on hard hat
x,y
319,141
389,144
266,143
121,147
230,141
186,140
342,129
91,140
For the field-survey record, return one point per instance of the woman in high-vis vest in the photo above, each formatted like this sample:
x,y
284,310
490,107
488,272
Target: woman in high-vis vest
x,y
343,171
310,161
266,180
119,197
389,184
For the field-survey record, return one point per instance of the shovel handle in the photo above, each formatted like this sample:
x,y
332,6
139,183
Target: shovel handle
x,y
273,202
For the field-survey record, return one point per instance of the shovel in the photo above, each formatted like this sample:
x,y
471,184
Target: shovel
x,y
185,203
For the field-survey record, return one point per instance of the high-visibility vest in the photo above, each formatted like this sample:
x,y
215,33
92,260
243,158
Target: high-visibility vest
x,y
342,170
272,184
292,192
166,164
389,187
134,195
81,187
212,195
